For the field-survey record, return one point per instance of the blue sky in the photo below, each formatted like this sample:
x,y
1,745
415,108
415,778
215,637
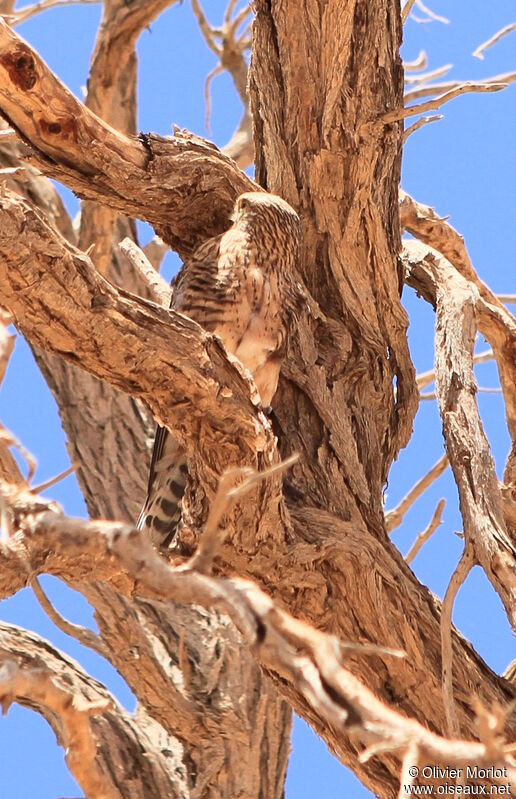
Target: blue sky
x,y
464,166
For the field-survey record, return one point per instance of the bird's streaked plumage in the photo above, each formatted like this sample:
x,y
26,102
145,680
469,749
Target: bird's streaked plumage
x,y
240,286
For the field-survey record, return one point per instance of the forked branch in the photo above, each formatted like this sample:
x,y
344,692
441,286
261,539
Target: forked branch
x,y
310,660
145,178
458,305
95,732
495,322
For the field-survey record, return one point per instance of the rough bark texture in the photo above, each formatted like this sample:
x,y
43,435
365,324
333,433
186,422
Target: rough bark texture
x,y
109,434
81,711
459,308
308,660
346,401
494,320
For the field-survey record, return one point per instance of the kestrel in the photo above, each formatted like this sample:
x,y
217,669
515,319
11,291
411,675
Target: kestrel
x,y
240,286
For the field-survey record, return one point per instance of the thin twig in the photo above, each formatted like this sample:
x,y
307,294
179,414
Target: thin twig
x,y
420,20
489,390
419,124
431,395
491,721
423,537
217,70
30,11
510,299
257,477
463,568
81,634
431,14
421,62
370,649
159,288
206,29
406,10
479,52
394,518
233,484
229,11
9,171
510,672
11,441
54,480
431,89
425,378
245,41
234,25
426,76
437,102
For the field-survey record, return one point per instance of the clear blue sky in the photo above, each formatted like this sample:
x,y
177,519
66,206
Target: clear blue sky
x,y
464,166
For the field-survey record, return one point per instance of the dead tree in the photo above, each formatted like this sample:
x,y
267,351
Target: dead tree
x,y
302,601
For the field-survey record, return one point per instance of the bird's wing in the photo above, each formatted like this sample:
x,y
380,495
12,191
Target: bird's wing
x,y
210,289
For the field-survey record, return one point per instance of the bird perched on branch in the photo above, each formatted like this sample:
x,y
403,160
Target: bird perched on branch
x,y
240,286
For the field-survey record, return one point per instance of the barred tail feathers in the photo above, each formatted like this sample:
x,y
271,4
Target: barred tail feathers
x,y
161,513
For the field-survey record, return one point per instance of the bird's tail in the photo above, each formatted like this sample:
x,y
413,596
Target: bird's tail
x,y
161,512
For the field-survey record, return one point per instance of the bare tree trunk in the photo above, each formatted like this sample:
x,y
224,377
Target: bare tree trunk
x,y
316,544
234,713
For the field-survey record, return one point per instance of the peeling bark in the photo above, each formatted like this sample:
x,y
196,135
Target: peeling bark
x,y
318,545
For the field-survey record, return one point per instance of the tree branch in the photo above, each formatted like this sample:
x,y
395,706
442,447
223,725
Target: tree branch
x,y
458,305
437,102
406,10
494,320
81,634
95,732
303,657
394,518
158,355
423,537
445,87
461,571
23,14
147,178
419,124
230,50
114,101
9,470
421,62
6,343
424,77
426,378
479,52
432,16
158,288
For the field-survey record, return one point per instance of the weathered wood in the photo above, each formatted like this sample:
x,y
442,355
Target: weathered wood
x,y
347,396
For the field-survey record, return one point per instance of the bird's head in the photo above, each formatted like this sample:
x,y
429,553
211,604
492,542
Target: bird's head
x,y
268,217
